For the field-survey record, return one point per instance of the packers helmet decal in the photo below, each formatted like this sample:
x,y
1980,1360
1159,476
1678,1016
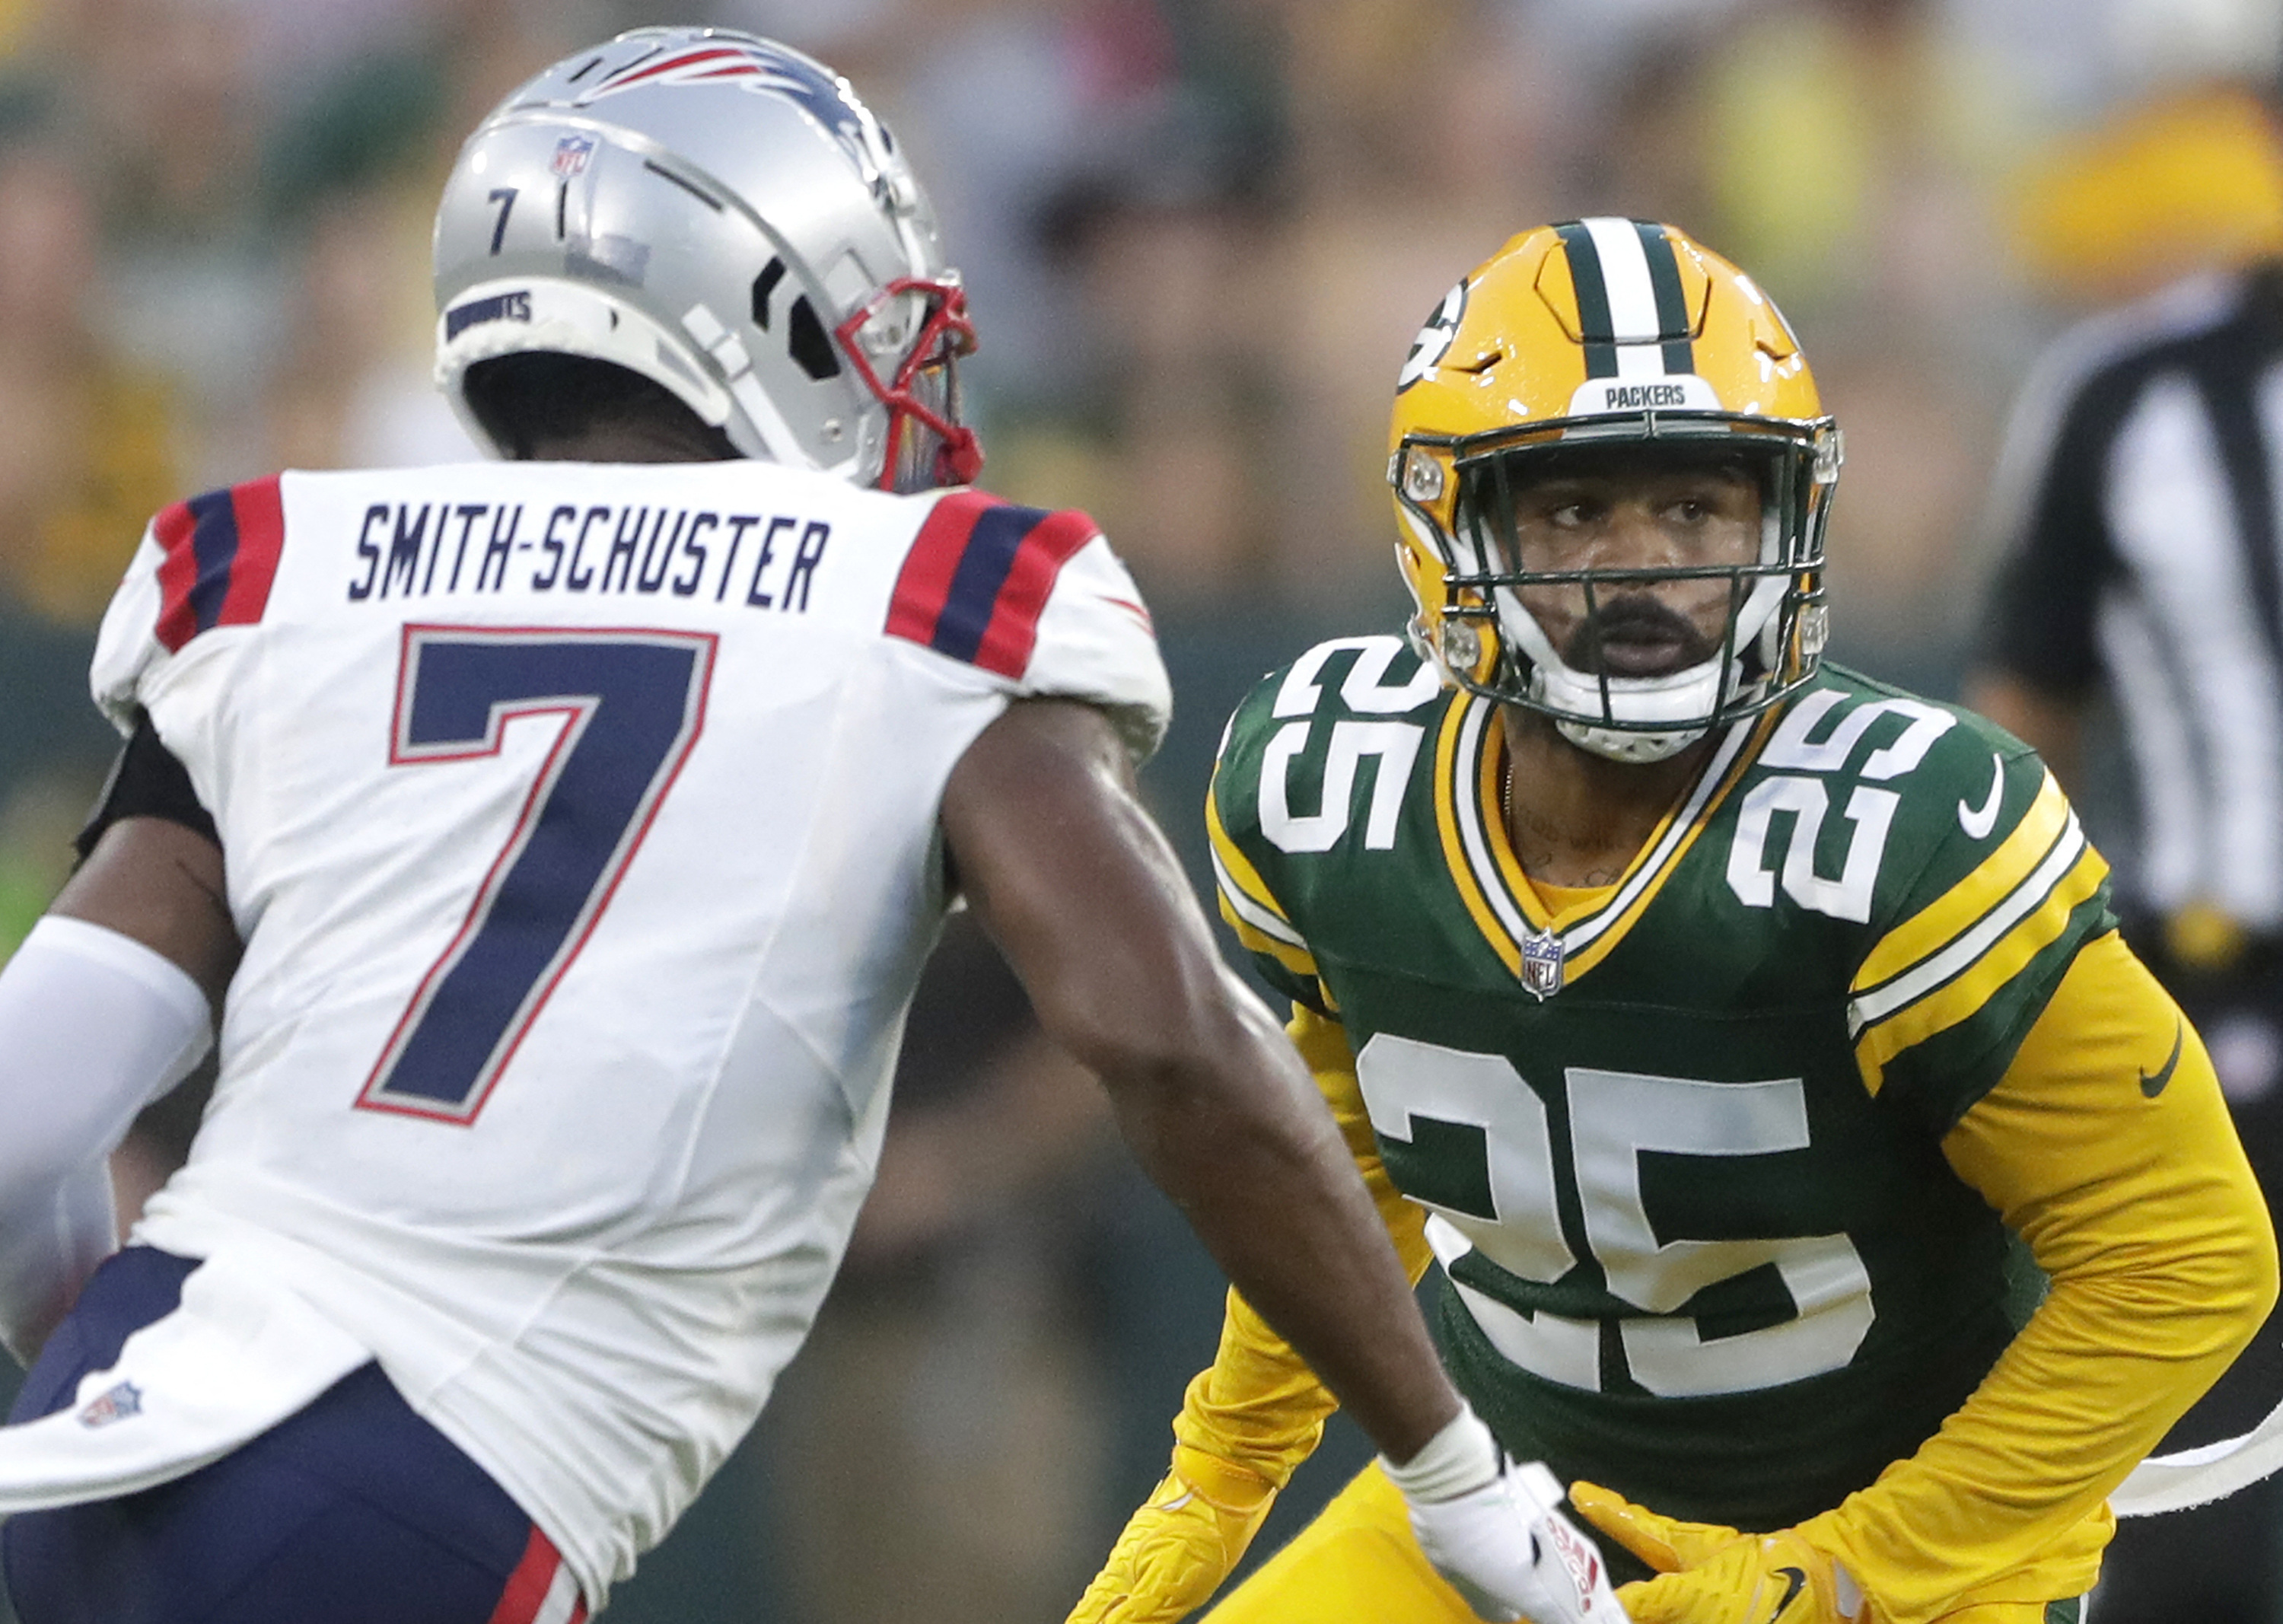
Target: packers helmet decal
x,y
1607,333
1434,339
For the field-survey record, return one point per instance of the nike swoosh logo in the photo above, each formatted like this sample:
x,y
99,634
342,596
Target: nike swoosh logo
x,y
1979,821
1794,1582
2154,1086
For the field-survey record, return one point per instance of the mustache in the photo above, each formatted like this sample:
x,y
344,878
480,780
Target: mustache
x,y
1635,618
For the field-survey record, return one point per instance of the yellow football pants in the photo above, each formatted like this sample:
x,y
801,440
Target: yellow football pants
x,y
1358,1564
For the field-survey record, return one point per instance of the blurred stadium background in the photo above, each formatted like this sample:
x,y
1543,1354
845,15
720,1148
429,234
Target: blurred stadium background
x,y
1199,234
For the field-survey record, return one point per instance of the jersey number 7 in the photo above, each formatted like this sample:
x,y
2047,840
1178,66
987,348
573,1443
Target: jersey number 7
x,y
631,703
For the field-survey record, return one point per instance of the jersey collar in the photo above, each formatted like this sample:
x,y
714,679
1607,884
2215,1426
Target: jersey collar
x,y
1469,752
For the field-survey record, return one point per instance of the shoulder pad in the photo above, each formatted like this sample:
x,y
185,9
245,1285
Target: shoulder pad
x,y
1914,794
978,576
220,555
1377,676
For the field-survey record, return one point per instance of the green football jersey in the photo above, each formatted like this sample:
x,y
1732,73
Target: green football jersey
x,y
1680,1144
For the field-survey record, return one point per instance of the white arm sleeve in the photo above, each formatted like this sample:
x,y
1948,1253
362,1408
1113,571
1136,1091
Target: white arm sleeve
x,y
93,1026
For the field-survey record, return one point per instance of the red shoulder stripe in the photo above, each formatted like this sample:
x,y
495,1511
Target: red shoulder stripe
x,y
924,585
221,558
260,510
979,576
178,573
1014,629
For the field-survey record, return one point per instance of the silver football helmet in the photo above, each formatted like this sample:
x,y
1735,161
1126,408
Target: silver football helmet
x,y
722,215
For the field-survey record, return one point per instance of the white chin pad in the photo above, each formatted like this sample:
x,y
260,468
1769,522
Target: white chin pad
x,y
1618,745
1685,700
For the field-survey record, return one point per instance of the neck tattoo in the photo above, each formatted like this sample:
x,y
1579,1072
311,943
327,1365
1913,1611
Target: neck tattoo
x,y
1538,856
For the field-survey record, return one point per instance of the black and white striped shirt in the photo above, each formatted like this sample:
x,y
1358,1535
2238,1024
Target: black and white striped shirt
x,y
2139,498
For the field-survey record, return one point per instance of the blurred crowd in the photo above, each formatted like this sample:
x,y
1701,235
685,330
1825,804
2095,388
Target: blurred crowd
x,y
1198,235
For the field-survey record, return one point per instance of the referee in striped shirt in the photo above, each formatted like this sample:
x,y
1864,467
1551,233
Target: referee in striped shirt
x,y
2140,497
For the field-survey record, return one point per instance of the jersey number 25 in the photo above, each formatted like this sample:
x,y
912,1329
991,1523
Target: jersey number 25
x,y
1482,1158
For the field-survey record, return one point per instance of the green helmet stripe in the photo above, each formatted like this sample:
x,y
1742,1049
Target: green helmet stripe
x,y
1594,325
1671,306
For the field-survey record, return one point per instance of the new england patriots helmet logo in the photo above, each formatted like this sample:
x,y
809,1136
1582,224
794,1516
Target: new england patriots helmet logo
x,y
764,66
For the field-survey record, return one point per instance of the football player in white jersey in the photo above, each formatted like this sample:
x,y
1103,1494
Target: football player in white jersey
x,y
561,839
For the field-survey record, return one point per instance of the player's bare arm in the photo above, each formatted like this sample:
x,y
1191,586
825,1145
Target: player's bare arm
x,y
160,884
1075,883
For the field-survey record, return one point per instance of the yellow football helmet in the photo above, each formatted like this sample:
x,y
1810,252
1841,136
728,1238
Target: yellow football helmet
x,y
1607,333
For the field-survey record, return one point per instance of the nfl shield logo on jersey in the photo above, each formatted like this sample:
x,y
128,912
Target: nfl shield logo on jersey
x,y
1541,963
114,1404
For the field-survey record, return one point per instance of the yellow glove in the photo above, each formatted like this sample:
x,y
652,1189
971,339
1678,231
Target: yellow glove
x,y
1179,1547
1716,1575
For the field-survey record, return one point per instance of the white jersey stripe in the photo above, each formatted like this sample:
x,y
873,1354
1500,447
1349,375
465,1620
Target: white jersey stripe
x,y
1467,800
1251,912
1875,1005
561,1604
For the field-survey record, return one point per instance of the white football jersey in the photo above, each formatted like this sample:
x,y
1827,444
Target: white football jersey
x,y
580,823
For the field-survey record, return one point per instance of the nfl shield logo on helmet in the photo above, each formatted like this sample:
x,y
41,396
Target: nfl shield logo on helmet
x,y
572,154
114,1404
1541,964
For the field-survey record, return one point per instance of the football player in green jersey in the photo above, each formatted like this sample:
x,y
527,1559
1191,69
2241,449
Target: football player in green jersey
x,y
1734,1030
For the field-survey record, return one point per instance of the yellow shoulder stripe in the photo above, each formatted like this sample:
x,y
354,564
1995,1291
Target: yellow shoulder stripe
x,y
1966,978
1229,856
1952,914
1298,960
1249,906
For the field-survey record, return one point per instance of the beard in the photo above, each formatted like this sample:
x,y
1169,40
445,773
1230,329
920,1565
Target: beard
x,y
1636,633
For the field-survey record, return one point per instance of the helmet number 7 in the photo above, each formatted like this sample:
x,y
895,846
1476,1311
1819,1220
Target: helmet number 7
x,y
505,196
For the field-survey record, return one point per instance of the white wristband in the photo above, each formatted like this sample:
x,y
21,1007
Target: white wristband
x,y
1458,1460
